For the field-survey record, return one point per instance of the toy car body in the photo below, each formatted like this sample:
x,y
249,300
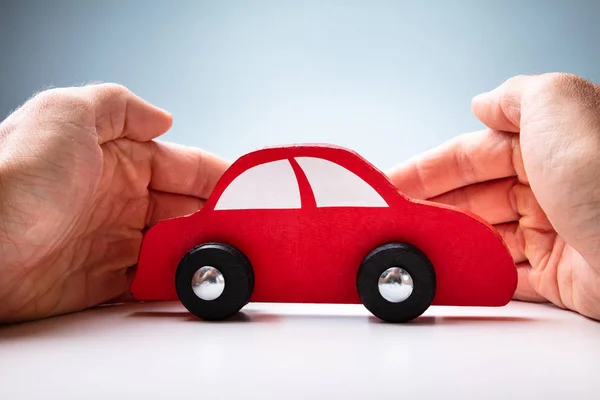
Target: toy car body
x,y
320,224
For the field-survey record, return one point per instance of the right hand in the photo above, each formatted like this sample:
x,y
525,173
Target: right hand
x,y
535,175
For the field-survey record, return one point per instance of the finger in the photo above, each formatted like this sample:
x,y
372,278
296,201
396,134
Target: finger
x,y
538,233
467,159
500,109
525,291
494,201
185,170
513,238
168,205
120,113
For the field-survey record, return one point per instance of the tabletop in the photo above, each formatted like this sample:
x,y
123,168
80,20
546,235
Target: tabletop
x,y
279,351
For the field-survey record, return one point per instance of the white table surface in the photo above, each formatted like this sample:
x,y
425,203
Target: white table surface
x,y
273,351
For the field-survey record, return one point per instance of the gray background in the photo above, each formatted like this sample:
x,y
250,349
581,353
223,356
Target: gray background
x,y
387,78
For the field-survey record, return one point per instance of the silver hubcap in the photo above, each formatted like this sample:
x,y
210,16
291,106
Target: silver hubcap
x,y
395,285
208,283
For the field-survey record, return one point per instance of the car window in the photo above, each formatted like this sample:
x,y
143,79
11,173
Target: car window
x,y
272,185
335,186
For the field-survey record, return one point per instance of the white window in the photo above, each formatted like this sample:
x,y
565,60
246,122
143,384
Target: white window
x,y
266,186
335,186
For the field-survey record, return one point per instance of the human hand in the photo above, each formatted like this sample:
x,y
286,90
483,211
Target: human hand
x,y
81,178
535,175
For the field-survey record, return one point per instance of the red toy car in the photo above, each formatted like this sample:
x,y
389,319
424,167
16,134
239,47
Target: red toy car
x,y
320,224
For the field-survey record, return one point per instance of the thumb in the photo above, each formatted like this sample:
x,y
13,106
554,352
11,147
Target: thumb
x,y
500,109
120,113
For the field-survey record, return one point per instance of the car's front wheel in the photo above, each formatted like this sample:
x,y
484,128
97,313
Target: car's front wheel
x,y
214,281
396,282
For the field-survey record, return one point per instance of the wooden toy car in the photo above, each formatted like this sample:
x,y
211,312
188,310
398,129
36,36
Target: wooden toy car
x,y
320,224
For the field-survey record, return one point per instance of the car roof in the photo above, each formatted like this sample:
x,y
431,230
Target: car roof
x,y
340,155
319,150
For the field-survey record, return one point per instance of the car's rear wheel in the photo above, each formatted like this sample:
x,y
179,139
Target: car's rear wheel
x,y
396,282
214,281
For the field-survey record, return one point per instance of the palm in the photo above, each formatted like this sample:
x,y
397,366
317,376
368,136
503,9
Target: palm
x,y
84,196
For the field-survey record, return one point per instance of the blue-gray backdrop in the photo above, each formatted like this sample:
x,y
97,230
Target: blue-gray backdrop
x,y
387,78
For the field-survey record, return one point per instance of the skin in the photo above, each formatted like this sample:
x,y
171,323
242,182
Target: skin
x,y
81,178
534,174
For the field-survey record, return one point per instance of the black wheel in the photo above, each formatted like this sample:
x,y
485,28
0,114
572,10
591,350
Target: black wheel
x,y
214,281
396,282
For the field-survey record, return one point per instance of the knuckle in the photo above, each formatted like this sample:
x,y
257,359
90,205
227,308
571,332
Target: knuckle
x,y
45,98
111,101
509,97
112,90
570,88
61,98
509,100
517,78
560,82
